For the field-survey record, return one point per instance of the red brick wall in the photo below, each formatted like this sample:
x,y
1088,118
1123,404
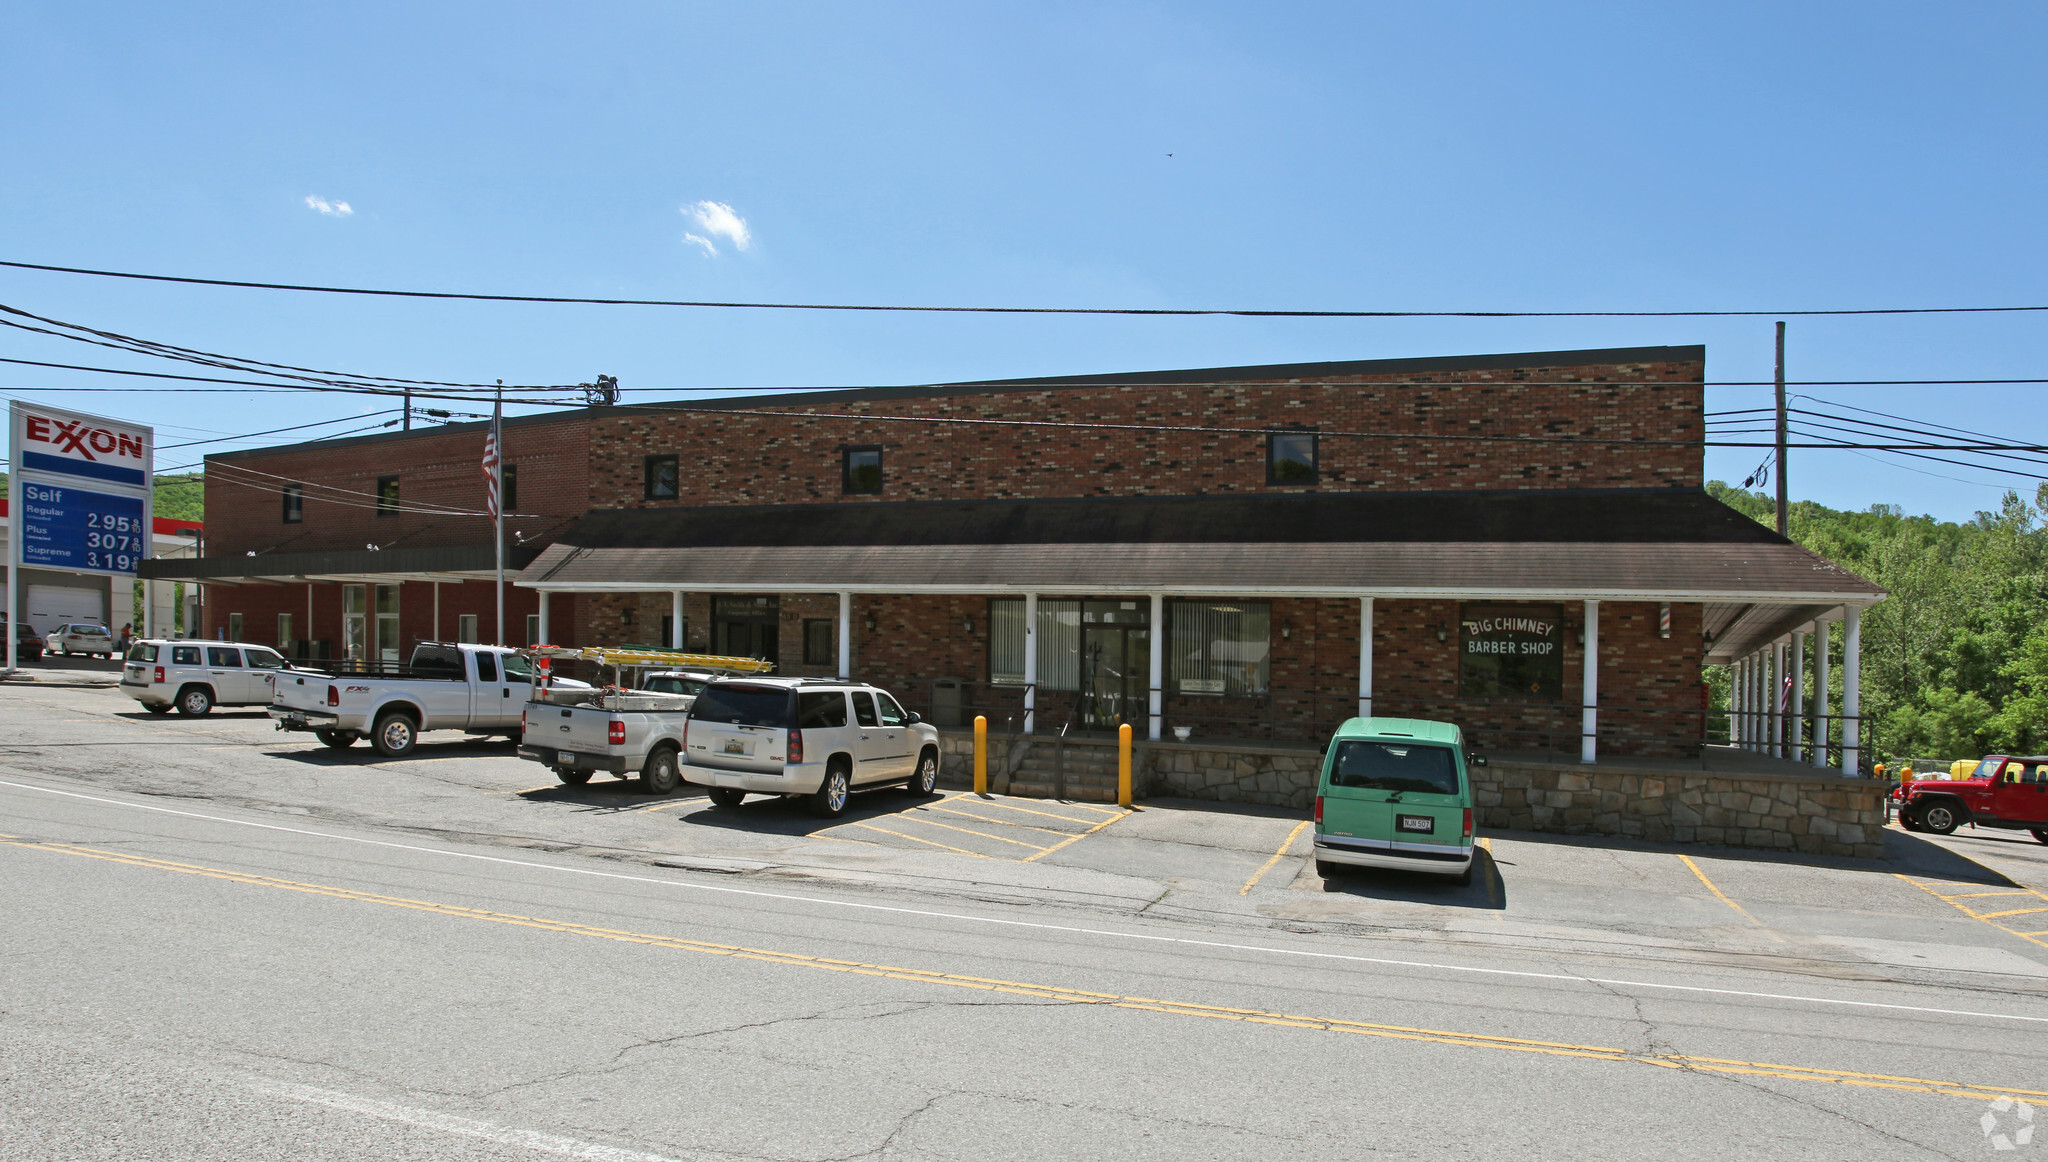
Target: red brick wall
x,y
437,470
749,459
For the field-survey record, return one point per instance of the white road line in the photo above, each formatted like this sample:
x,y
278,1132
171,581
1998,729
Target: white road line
x,y
1043,927
452,1124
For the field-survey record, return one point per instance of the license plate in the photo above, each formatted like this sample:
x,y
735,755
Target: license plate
x,y
737,746
1423,823
565,758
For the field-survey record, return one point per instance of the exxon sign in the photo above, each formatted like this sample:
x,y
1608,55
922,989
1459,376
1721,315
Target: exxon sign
x,y
82,446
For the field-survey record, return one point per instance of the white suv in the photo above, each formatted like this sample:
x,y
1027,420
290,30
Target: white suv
x,y
805,737
196,676
80,637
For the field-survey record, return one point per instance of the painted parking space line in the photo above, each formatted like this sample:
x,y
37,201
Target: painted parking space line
x,y
991,801
1718,893
915,839
1077,838
995,822
1277,854
1975,1092
1955,900
969,831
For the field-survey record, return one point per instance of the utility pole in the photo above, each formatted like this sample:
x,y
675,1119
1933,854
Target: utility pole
x,y
1781,428
408,411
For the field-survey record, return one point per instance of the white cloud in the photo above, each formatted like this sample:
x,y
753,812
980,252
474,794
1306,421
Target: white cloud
x,y
331,209
719,221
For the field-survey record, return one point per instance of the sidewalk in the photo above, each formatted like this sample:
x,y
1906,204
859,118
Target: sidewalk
x,y
62,671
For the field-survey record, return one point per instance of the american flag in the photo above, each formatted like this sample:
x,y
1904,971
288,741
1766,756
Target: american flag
x,y
490,467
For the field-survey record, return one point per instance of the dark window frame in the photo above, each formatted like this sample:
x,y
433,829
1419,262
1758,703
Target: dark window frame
x,y
508,492
387,496
1315,457
846,454
648,464
294,498
828,654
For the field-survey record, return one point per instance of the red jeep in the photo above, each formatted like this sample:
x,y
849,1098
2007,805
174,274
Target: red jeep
x,y
2009,791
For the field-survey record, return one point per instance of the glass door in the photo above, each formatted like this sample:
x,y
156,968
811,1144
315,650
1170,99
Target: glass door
x,y
1116,654
354,629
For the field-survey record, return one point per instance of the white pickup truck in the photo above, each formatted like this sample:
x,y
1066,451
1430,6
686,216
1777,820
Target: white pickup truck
x,y
471,688
623,731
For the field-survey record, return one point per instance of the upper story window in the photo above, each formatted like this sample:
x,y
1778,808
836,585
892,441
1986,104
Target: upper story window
x,y
387,496
662,481
294,503
1290,457
508,497
861,470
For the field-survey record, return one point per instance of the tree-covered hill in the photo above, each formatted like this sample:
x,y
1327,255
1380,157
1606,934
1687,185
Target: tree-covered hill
x,y
1955,660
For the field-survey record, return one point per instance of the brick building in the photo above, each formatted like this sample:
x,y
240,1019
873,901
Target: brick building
x,y
1251,552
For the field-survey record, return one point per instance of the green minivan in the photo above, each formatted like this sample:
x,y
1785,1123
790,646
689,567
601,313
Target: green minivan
x,y
1394,794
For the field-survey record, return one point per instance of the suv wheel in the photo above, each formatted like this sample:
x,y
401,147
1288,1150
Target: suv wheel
x,y
727,796
395,735
927,777
195,701
830,798
660,776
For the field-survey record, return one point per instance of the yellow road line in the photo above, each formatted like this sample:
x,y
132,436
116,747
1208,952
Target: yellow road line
x,y
1028,810
966,831
1718,893
997,822
1966,1090
1280,851
664,803
915,839
531,790
1985,917
1077,838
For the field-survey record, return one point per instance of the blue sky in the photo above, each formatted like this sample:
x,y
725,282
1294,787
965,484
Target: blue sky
x,y
1339,156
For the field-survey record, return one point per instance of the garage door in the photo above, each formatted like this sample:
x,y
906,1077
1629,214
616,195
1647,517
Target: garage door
x,y
50,606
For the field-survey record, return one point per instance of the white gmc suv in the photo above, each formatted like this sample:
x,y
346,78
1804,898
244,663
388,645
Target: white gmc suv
x,y
810,737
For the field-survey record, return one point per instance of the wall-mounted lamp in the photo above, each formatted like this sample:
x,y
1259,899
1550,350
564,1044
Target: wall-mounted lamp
x,y
1286,630
871,625
966,625
1443,632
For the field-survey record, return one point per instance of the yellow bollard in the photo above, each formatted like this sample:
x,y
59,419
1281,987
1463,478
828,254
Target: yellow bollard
x,y
981,754
1123,765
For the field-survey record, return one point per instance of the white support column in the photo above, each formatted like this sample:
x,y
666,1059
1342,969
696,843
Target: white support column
x,y
675,620
1589,714
1738,697
1852,699
1030,663
1365,657
1749,731
1795,704
845,636
542,630
1776,662
1156,636
437,612
1820,694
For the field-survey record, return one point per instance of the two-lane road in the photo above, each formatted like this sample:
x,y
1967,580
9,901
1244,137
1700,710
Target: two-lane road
x,y
202,982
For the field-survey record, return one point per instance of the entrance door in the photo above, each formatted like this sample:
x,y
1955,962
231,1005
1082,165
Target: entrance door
x,y
1116,655
745,627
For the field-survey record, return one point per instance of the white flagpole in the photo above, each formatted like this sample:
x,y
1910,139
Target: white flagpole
x,y
498,500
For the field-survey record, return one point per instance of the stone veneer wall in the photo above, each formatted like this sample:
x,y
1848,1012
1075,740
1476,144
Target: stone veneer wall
x,y
1816,814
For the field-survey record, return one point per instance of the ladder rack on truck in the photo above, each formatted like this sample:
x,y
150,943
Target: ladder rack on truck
x,y
621,662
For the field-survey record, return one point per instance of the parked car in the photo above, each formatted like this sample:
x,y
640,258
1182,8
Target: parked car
x,y
28,644
446,686
193,677
1394,793
816,738
81,637
2005,791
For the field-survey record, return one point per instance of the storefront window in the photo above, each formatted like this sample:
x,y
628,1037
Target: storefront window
x,y
1059,643
1219,647
1511,651
354,628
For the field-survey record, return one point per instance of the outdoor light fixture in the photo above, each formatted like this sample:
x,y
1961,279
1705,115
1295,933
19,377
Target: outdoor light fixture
x,y
1286,631
967,625
1443,632
871,625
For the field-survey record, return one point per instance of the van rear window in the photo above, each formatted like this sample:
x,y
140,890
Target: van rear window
x,y
1387,766
743,706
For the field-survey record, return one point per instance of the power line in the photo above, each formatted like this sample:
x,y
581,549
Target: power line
x,y
1133,311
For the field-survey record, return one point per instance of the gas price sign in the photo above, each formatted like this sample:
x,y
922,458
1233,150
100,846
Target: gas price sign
x,y
73,528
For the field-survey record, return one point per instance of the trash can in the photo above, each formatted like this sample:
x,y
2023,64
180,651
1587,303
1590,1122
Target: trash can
x,y
947,697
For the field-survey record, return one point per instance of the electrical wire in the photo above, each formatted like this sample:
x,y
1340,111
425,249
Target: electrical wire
x,y
1136,311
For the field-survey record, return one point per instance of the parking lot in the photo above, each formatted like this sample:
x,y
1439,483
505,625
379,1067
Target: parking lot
x,y
1965,904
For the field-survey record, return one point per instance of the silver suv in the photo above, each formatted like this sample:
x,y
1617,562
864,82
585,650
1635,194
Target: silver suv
x,y
810,737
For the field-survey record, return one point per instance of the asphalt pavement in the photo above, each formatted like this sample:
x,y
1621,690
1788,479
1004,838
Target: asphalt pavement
x,y
225,942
